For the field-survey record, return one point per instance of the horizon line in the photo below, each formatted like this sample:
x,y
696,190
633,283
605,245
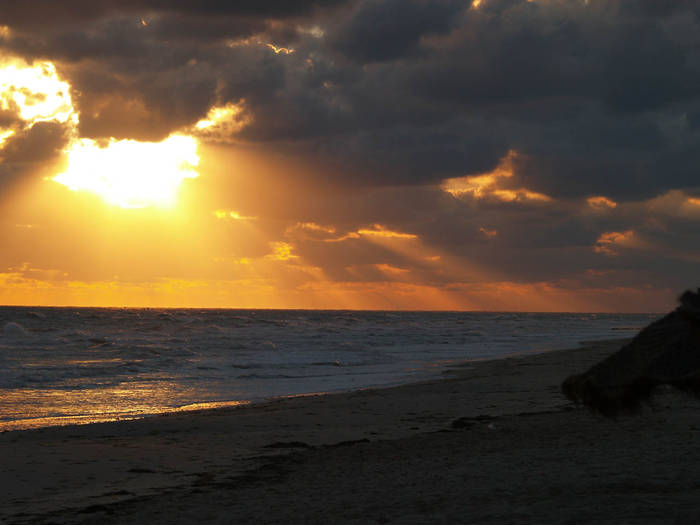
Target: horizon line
x,y
263,309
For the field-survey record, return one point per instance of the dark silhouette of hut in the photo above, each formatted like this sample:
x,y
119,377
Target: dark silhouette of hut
x,y
665,352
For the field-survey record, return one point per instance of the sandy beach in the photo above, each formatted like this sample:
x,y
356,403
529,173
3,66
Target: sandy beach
x,y
491,441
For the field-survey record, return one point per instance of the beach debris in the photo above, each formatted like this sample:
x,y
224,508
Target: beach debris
x,y
667,352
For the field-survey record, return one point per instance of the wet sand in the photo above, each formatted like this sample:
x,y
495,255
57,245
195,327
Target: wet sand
x,y
493,441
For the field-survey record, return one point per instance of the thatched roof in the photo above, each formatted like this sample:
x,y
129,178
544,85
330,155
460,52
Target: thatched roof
x,y
665,352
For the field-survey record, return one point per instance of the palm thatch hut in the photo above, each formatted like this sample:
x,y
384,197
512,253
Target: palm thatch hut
x,y
665,352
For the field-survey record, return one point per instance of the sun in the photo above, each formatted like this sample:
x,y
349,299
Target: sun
x,y
131,174
125,173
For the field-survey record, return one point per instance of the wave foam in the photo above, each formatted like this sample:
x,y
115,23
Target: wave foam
x,y
13,329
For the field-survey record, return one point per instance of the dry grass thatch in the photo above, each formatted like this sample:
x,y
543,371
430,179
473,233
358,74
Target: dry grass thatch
x,y
665,352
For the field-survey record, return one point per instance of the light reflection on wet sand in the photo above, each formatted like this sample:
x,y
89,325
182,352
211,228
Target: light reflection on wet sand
x,y
55,408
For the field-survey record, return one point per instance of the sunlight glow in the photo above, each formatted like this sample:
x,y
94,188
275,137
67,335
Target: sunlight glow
x,y
245,42
124,173
5,134
278,50
218,115
230,214
35,92
131,174
222,122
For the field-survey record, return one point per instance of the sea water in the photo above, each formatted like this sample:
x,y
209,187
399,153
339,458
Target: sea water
x,y
80,365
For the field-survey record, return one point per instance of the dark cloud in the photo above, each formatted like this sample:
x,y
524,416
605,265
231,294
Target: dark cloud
x,y
385,99
143,69
597,96
8,118
141,106
41,142
78,12
29,152
181,26
392,29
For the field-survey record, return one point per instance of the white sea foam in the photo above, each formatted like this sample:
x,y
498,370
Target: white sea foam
x,y
12,329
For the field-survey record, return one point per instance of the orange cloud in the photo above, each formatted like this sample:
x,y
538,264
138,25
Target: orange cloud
x,y
609,242
601,203
489,185
489,234
378,230
375,232
312,227
674,203
16,288
391,270
350,235
281,251
315,227
28,285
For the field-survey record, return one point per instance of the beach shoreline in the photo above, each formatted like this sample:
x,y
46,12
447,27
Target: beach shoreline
x,y
197,407
263,460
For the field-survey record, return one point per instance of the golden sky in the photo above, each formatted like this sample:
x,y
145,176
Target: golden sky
x,y
193,167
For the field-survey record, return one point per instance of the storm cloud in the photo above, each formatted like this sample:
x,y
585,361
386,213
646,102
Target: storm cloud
x,y
383,101
599,96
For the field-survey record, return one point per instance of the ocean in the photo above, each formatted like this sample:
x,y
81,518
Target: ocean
x,y
80,365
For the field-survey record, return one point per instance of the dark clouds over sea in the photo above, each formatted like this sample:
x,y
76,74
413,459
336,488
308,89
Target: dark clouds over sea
x,y
384,100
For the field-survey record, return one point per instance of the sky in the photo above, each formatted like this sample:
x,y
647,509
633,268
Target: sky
x,y
517,155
